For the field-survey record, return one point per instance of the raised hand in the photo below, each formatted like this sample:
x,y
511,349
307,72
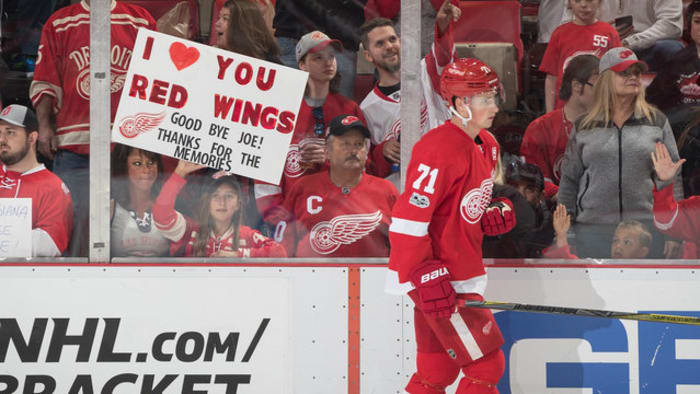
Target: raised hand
x,y
665,168
447,12
185,168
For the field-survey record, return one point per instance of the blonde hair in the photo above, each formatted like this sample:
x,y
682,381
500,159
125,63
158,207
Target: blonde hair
x,y
605,100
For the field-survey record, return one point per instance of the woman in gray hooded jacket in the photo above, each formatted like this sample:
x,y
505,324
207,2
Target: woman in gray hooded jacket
x,y
607,173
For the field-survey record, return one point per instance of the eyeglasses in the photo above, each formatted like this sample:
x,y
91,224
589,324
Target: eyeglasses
x,y
589,84
317,112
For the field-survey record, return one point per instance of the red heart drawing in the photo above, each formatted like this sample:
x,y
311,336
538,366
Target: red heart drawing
x,y
183,56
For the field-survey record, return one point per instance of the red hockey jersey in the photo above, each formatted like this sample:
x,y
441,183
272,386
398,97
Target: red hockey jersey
x,y
63,66
52,207
328,221
182,231
448,186
269,197
678,219
544,144
570,40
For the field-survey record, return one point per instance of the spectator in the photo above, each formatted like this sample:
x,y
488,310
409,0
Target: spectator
x,y
316,54
656,28
382,105
545,139
584,35
689,150
218,231
533,220
654,33
607,176
339,19
342,212
631,240
21,176
675,218
676,84
241,28
61,87
136,182
390,9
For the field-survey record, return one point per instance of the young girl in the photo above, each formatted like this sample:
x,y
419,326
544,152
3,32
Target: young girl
x,y
218,231
584,35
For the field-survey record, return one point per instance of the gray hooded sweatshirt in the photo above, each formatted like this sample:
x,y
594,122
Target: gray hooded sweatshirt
x,y
607,172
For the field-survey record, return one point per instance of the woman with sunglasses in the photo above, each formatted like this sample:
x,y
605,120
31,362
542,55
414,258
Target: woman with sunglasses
x,y
315,54
607,173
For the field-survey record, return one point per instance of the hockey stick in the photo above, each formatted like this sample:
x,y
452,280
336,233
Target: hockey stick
x,y
652,317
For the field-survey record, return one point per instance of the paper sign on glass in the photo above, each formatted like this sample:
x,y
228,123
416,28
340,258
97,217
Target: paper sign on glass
x,y
209,106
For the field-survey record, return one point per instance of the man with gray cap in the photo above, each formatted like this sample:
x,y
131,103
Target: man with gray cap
x,y
22,176
342,212
316,54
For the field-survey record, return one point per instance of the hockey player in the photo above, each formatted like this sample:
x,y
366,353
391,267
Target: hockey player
x,y
382,105
341,212
436,232
21,176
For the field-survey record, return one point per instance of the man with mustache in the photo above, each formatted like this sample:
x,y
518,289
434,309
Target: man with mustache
x,y
21,176
381,107
343,211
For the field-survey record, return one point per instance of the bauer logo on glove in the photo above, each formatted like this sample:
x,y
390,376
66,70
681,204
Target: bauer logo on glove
x,y
434,294
499,217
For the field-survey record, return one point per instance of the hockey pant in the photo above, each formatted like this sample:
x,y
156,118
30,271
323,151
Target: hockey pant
x,y
469,341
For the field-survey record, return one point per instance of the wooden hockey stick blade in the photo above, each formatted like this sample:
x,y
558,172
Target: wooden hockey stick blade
x,y
651,317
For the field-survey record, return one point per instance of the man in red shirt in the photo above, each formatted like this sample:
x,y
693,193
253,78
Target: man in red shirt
x,y
545,139
61,88
437,228
316,54
341,212
21,176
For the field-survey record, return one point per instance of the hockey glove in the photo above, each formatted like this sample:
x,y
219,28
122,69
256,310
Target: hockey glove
x,y
435,295
499,217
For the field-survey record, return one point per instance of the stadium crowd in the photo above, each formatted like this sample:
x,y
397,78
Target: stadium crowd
x,y
597,165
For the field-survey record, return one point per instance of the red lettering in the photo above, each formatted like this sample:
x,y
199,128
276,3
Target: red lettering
x,y
158,92
222,105
138,86
147,50
236,115
251,114
248,69
268,118
178,97
265,84
223,65
286,122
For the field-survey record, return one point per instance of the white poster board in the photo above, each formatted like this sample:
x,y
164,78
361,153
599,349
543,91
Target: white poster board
x,y
209,106
15,227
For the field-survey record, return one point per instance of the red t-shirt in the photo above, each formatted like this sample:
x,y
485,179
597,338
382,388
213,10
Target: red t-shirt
x,y
570,40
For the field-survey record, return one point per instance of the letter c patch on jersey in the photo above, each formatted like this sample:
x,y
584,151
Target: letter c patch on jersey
x,y
313,205
474,203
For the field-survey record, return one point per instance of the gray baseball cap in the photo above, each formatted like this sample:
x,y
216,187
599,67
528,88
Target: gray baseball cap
x,y
21,116
619,59
314,42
